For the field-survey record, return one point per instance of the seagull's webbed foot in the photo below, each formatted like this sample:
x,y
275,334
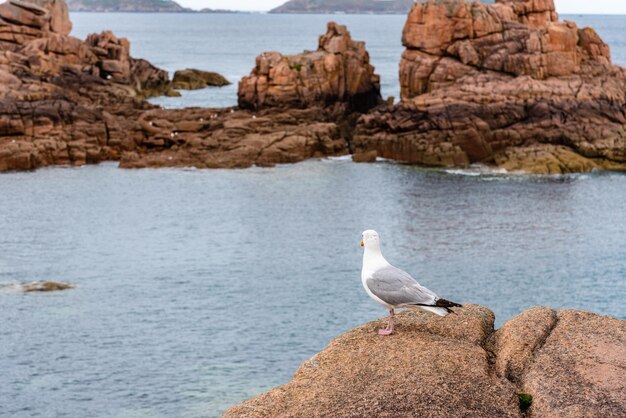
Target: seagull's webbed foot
x,y
385,332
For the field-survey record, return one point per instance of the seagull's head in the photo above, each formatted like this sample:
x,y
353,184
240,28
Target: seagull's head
x,y
370,238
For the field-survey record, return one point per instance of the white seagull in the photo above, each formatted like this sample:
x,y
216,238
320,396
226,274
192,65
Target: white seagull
x,y
395,288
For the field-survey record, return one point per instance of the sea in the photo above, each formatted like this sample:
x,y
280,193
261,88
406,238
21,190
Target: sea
x,y
198,289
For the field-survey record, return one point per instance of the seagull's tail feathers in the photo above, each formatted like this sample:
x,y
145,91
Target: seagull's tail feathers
x,y
441,307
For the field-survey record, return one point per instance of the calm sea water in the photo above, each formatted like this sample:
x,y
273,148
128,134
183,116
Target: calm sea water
x,y
198,289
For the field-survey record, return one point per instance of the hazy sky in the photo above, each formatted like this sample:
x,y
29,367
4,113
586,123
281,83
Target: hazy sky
x,y
563,6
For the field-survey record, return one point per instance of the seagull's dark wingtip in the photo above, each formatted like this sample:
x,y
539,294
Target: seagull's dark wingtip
x,y
442,303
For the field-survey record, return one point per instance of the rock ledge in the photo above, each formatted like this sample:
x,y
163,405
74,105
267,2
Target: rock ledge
x,y
573,364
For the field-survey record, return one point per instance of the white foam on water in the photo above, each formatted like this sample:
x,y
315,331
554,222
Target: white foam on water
x,y
476,170
339,158
10,288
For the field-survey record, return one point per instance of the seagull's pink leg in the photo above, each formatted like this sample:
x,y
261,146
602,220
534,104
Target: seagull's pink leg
x,y
389,329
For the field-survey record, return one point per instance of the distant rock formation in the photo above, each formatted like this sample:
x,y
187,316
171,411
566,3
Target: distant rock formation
x,y
63,100
542,363
345,6
21,21
339,71
192,79
291,108
506,84
145,6
232,138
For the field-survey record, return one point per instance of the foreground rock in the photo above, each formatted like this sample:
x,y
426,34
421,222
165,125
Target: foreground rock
x,y
191,79
46,287
572,363
339,71
507,85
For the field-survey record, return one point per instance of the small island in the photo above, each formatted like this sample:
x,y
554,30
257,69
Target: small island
x,y
146,6
136,6
347,6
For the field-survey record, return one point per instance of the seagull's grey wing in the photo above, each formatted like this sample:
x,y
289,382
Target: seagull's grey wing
x,y
397,287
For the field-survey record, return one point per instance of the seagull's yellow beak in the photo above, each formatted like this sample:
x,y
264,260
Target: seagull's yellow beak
x,y
362,245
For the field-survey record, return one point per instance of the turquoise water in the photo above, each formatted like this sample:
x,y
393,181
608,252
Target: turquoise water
x,y
198,289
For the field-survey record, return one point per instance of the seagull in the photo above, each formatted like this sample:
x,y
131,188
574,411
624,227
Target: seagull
x,y
395,288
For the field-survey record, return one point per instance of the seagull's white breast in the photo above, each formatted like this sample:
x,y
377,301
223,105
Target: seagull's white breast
x,y
370,266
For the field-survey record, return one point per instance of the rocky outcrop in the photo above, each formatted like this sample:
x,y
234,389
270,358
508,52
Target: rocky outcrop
x,y
192,79
230,138
571,363
115,63
291,108
339,71
507,85
64,101
21,21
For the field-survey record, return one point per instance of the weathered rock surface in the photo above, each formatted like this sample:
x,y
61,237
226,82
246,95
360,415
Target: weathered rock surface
x,y
289,113
572,363
70,102
46,287
192,79
504,84
229,138
580,371
22,20
339,71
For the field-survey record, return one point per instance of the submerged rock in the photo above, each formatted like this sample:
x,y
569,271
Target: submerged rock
x,y
46,287
505,84
570,363
191,79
